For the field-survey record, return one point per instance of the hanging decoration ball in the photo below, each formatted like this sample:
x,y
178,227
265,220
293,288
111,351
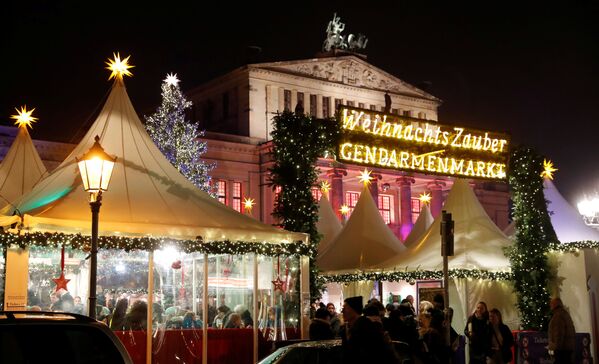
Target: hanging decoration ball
x,y
86,248
176,264
412,281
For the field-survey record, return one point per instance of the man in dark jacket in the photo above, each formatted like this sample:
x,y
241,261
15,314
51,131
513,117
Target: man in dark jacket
x,y
320,328
562,335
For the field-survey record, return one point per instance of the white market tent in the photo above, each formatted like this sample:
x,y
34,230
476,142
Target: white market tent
x,y
20,169
364,241
146,195
478,244
423,222
328,224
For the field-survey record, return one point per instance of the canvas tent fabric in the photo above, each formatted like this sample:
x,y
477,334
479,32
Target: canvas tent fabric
x,y
423,222
146,195
364,241
478,242
20,169
328,224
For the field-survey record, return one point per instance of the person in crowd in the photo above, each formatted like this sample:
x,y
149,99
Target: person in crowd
x,y
55,304
222,317
439,302
137,317
246,316
432,348
410,300
78,306
320,327
561,335
116,320
501,339
454,337
334,319
35,308
478,332
157,312
425,306
190,321
234,321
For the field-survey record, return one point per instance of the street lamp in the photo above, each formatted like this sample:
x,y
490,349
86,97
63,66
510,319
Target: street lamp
x,y
95,168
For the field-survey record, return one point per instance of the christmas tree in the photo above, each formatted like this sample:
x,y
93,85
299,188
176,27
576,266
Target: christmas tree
x,y
177,138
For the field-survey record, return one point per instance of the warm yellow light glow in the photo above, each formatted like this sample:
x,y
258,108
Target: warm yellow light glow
x,y
548,169
172,79
425,198
325,187
365,177
344,210
248,204
119,68
95,168
23,117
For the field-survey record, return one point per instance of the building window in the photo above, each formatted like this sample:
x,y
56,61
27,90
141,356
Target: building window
x,y
351,103
300,99
225,105
326,105
407,113
385,207
351,199
316,193
395,111
422,115
313,105
373,107
287,100
415,208
361,105
338,102
221,191
236,196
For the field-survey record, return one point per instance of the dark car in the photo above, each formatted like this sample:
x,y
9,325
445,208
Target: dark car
x,y
53,337
316,352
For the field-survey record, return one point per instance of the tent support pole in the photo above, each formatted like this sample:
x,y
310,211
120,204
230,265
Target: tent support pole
x,y
205,312
149,325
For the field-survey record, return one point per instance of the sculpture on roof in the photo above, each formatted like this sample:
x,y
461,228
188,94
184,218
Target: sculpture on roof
x,y
335,40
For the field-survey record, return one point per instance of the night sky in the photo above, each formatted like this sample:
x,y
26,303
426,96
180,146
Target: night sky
x,y
532,71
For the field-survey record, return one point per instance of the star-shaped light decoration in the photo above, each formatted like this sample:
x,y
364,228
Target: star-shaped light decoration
x,y
119,68
548,169
365,177
325,187
344,210
61,282
23,117
171,79
425,198
248,204
279,284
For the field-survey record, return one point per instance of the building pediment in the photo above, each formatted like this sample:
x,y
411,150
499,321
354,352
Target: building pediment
x,y
349,70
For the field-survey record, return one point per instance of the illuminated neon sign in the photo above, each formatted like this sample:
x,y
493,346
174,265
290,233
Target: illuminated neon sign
x,y
390,141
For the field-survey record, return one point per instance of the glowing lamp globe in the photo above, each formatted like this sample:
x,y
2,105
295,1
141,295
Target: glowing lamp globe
x,y
95,168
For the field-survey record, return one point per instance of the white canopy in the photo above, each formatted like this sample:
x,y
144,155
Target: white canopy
x,y
567,222
423,222
478,242
365,240
146,195
328,224
20,169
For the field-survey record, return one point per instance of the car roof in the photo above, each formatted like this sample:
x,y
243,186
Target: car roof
x,y
11,317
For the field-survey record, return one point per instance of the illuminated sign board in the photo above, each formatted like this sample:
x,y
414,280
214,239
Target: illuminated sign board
x,y
390,141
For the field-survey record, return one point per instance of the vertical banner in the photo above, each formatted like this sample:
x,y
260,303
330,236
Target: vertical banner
x,y
17,274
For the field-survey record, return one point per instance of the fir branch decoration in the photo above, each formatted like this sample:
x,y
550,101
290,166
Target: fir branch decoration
x,y
534,237
298,141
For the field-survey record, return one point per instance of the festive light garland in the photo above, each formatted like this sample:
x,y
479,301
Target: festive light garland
x,y
412,276
83,242
574,247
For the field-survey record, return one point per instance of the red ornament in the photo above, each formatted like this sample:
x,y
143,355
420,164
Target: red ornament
x,y
61,282
279,285
176,264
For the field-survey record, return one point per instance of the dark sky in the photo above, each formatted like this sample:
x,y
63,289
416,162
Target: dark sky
x,y
528,69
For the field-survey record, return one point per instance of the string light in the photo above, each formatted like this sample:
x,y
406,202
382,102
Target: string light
x,y
408,276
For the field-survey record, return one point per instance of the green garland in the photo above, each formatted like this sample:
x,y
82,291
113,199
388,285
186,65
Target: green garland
x,y
83,242
534,238
575,246
413,276
298,142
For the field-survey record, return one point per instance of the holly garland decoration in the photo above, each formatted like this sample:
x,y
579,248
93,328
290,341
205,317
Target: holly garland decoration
x,y
412,276
298,141
534,238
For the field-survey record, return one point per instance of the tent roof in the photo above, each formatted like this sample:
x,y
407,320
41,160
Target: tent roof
x,y
146,196
20,169
423,222
364,241
328,224
478,242
567,222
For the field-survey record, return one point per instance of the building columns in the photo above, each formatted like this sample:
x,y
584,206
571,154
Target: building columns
x,y
436,188
405,210
336,193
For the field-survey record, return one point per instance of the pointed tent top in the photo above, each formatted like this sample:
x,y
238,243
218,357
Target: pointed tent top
x,y
147,196
567,222
118,67
328,224
364,241
423,222
478,241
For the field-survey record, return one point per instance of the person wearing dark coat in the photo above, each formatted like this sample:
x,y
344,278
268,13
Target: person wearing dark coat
x,y
117,319
478,332
561,335
502,339
320,328
137,317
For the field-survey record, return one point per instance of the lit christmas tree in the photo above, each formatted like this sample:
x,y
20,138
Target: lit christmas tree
x,y
177,138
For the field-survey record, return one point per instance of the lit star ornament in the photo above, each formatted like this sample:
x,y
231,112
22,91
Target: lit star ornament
x,y
344,210
248,204
23,117
119,68
548,169
325,187
365,177
425,198
61,282
279,285
171,79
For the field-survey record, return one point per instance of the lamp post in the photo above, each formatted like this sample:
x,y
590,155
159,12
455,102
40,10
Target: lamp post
x,y
95,168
